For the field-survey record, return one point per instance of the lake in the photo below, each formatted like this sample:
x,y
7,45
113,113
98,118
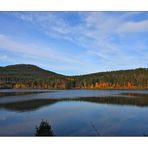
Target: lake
x,y
74,112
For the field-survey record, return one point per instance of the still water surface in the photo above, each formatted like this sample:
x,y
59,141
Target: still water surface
x,y
74,112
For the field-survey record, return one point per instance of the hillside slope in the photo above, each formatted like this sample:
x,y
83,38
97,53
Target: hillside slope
x,y
31,76
27,76
122,79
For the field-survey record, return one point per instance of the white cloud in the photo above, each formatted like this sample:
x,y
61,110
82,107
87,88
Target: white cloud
x,y
93,33
53,58
134,26
33,49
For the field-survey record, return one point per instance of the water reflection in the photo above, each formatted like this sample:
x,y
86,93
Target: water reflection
x,y
124,114
31,105
3,94
138,101
130,94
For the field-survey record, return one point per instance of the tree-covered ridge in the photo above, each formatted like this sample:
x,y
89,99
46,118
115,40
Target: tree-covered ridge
x,y
122,79
30,76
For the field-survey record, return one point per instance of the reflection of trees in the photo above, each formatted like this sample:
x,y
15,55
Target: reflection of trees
x,y
142,95
136,100
44,129
31,105
4,94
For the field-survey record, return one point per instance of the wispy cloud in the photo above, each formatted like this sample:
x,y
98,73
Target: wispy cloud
x,y
37,52
134,26
33,49
100,39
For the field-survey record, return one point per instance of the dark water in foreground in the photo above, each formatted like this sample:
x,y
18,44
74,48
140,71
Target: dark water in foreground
x,y
74,112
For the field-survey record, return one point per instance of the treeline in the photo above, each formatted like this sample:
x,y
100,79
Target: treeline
x,y
123,79
30,76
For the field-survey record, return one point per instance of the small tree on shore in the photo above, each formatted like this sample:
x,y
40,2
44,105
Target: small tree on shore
x,y
44,129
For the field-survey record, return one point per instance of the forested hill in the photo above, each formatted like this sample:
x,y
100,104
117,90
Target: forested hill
x,y
30,76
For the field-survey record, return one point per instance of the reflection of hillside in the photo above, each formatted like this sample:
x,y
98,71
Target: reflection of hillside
x,y
118,100
3,94
27,105
135,94
138,100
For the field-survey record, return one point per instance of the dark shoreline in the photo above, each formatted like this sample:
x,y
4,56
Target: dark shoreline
x,y
72,89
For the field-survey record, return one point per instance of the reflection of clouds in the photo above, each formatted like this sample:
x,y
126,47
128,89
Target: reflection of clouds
x,y
21,124
59,115
117,120
16,128
4,114
3,117
84,131
73,118
71,109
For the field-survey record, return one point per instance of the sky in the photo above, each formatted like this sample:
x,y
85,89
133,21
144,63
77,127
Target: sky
x,y
75,43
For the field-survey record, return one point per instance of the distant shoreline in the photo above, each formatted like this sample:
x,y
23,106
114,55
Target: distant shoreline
x,y
69,89
25,76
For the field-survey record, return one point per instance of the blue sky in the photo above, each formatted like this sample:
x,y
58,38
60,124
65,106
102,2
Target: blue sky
x,y
74,43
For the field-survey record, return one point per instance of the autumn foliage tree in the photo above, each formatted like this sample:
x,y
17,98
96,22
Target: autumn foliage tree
x,y
30,76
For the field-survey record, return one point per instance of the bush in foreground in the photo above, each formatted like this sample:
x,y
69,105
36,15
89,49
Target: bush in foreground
x,y
44,129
